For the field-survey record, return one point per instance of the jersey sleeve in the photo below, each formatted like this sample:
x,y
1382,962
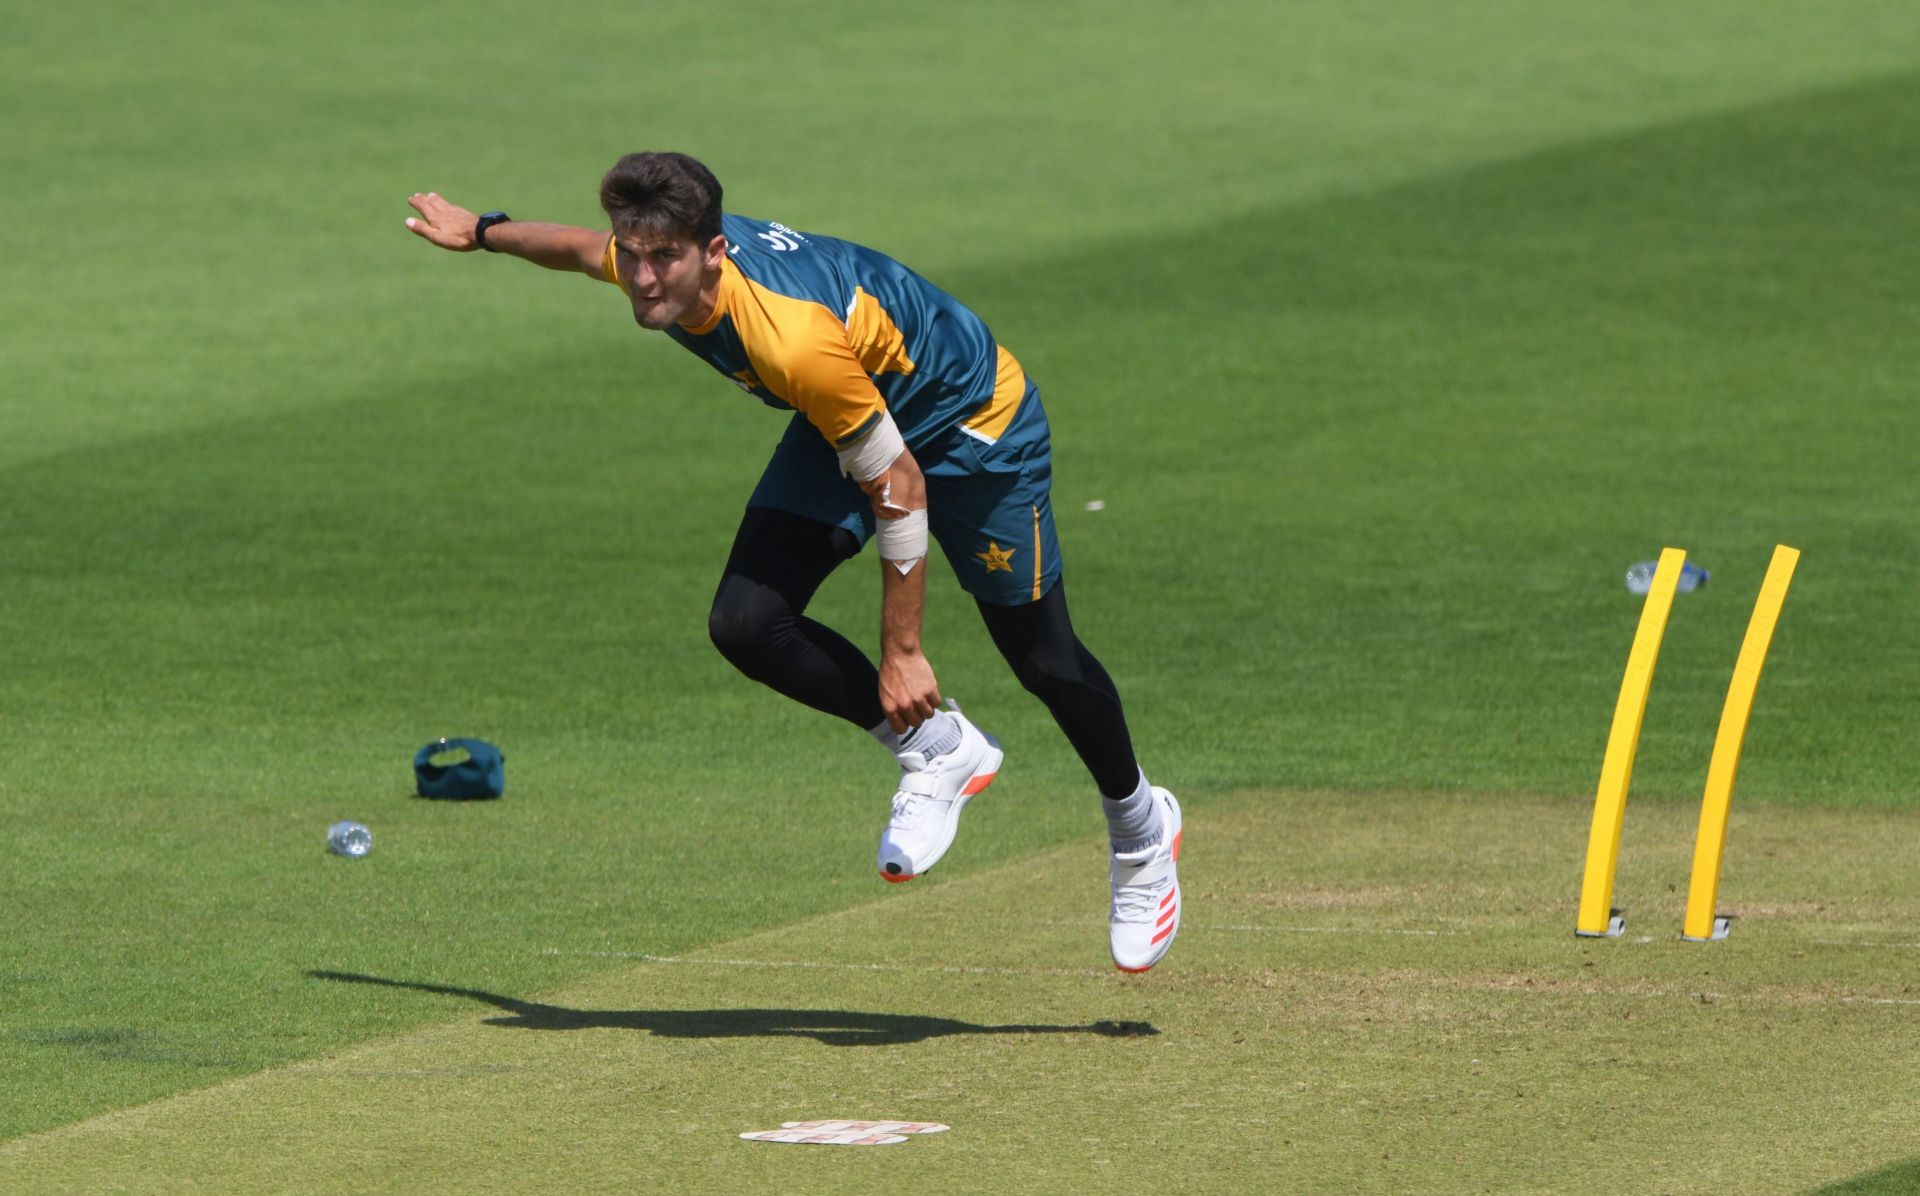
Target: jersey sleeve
x,y
610,262
800,352
818,374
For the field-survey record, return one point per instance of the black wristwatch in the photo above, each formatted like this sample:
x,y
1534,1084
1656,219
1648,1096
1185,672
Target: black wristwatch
x,y
486,222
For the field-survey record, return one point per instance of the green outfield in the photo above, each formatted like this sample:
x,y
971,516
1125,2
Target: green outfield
x,y
1383,337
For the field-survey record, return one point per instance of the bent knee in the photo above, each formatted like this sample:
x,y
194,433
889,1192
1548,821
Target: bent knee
x,y
746,621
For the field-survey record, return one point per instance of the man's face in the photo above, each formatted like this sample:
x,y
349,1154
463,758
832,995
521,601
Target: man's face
x,y
664,276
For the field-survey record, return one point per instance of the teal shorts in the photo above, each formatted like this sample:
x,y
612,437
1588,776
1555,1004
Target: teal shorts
x,y
988,505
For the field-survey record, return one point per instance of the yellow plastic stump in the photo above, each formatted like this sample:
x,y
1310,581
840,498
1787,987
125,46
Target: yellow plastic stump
x,y
1703,891
1596,918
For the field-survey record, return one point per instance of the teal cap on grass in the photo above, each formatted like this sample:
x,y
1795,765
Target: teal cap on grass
x,y
482,774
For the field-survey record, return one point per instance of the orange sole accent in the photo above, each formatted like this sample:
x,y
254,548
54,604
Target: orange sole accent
x,y
1133,971
978,783
891,879
1176,844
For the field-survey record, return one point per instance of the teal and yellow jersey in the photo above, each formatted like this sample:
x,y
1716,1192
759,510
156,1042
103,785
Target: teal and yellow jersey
x,y
839,333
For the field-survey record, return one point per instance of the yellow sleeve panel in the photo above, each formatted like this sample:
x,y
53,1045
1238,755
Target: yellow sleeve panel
x,y
610,262
800,352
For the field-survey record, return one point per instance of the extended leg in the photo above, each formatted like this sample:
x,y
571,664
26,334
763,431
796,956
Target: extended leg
x,y
1143,822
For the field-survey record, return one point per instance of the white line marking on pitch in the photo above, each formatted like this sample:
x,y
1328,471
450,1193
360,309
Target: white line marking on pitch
x,y
1334,930
1218,928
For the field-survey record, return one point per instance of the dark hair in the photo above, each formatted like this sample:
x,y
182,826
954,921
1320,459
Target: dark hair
x,y
668,194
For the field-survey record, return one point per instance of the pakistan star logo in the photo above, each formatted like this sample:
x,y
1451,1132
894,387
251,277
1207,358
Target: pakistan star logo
x,y
996,557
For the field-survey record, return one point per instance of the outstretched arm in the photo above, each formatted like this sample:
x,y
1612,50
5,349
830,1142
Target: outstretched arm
x,y
555,246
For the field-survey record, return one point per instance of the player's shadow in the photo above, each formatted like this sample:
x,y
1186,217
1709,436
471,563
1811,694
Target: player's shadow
x,y
834,1027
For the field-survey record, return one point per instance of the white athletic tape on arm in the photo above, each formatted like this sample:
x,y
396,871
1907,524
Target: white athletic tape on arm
x,y
903,541
875,452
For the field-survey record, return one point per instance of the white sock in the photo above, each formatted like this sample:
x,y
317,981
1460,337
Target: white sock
x,y
1133,822
935,737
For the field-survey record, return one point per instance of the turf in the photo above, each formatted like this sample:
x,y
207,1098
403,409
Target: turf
x,y
1391,1005
1388,337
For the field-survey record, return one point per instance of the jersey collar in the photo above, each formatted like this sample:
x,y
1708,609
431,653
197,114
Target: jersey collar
x,y
729,279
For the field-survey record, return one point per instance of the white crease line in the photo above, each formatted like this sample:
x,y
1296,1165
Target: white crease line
x,y
1215,927
844,967
1748,1000
1336,930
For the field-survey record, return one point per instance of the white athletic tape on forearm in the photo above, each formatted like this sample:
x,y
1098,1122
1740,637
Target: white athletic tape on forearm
x,y
903,541
875,452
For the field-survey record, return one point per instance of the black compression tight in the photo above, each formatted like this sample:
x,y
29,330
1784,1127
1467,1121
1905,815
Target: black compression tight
x,y
1037,640
778,562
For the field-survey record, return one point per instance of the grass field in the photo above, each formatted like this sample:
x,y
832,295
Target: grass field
x,y
1387,335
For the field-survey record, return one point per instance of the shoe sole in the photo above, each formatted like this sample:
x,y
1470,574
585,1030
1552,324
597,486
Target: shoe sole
x,y
1178,903
976,784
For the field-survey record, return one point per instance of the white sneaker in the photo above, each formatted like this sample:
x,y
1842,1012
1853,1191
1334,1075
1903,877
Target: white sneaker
x,y
926,809
1146,894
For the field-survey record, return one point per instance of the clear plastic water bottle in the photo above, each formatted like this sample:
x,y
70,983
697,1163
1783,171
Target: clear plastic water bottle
x,y
349,839
1640,577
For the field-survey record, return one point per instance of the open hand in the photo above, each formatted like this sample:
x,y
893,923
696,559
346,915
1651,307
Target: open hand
x,y
447,225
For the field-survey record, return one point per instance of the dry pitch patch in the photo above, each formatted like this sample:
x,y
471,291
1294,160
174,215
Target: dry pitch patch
x,y
1370,994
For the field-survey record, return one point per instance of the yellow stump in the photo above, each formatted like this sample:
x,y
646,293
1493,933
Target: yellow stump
x,y
1596,919
1703,891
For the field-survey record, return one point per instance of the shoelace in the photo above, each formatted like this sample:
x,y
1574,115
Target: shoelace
x,y
1140,903
910,805
1137,903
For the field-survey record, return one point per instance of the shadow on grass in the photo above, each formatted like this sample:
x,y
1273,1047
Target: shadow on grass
x,y
1896,1180
125,1045
833,1027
